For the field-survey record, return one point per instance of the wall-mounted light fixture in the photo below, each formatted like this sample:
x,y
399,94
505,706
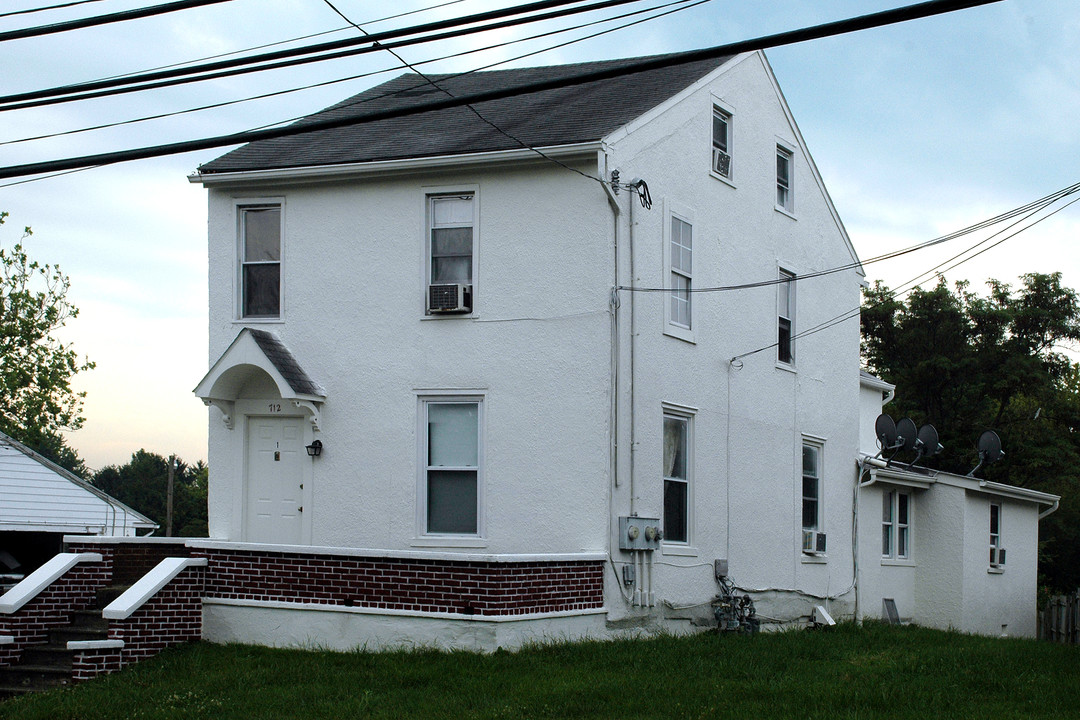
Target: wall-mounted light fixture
x,y
315,448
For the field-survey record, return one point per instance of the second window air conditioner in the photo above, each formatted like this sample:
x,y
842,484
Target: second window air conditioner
x,y
813,543
721,162
451,298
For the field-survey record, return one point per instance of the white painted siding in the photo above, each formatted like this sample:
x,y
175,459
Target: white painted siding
x,y
33,497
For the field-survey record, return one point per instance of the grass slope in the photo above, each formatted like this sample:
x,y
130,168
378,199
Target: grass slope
x,y
848,672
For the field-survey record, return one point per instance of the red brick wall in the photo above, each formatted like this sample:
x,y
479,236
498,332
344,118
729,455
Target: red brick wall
x,y
88,664
52,608
129,561
171,617
467,588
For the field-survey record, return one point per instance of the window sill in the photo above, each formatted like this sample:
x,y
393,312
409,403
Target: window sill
x,y
995,570
785,212
680,333
258,321
786,367
897,562
449,541
449,316
679,550
727,181
814,559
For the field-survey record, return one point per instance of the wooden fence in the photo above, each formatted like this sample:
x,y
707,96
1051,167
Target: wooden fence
x,y
1059,620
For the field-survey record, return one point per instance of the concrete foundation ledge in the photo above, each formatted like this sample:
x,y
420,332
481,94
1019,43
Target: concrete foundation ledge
x,y
325,627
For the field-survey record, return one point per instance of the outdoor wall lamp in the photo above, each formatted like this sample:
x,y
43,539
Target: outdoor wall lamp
x,y
315,448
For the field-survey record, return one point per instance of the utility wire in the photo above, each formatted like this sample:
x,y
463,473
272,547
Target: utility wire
x,y
915,282
926,9
296,53
105,19
667,7
12,13
279,42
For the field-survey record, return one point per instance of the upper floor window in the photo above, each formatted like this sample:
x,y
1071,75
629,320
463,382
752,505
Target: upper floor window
x,y
260,260
451,249
785,189
896,525
997,552
677,469
679,271
721,142
451,452
785,310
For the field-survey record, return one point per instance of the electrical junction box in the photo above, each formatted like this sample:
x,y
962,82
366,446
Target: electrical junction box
x,y
639,533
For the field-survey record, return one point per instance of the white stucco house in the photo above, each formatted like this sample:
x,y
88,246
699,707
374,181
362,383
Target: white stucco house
x,y
463,368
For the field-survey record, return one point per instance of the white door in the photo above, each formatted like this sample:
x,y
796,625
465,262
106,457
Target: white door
x,y
274,488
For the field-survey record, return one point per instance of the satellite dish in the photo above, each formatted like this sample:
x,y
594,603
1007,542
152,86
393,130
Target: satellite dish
x,y
989,450
885,430
926,443
990,447
907,433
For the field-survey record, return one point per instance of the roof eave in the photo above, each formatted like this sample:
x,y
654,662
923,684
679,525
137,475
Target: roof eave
x,y
381,167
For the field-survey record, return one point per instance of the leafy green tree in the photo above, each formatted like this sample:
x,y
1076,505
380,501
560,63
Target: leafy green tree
x,y
142,484
968,363
37,401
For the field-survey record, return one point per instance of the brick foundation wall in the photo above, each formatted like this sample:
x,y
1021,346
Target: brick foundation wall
x,y
88,664
52,608
465,588
171,617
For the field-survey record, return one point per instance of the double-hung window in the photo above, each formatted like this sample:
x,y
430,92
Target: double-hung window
x,y
896,525
721,142
811,485
785,188
785,323
678,444
679,271
451,251
997,552
260,260
451,458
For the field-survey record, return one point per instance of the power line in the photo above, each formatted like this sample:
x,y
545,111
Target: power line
x,y
926,9
29,11
681,5
294,53
121,16
915,282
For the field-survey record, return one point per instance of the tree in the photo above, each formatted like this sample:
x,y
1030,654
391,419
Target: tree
x,y
967,363
36,397
141,484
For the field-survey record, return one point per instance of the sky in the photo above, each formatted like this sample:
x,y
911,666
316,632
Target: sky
x,y
918,129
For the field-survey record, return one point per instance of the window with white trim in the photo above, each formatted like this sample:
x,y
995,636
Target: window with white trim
x,y
785,322
896,525
260,260
451,461
785,179
811,485
721,142
995,535
678,468
451,250
681,247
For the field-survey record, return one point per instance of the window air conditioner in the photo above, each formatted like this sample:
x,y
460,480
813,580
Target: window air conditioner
x,y
813,543
997,556
455,298
721,162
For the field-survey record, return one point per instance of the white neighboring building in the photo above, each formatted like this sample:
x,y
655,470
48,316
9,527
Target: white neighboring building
x,y
950,551
40,502
503,357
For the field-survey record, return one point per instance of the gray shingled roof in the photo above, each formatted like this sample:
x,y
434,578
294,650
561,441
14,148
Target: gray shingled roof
x,y
561,116
286,364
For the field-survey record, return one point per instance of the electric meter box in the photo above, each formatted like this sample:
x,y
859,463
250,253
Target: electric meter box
x,y
639,533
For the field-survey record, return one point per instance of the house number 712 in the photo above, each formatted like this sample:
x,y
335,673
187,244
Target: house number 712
x,y
275,407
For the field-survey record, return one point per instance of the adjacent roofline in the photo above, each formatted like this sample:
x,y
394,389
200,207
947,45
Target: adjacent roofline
x,y
403,165
145,522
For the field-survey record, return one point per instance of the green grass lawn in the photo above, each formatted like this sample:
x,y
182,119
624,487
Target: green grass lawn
x,y
847,672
